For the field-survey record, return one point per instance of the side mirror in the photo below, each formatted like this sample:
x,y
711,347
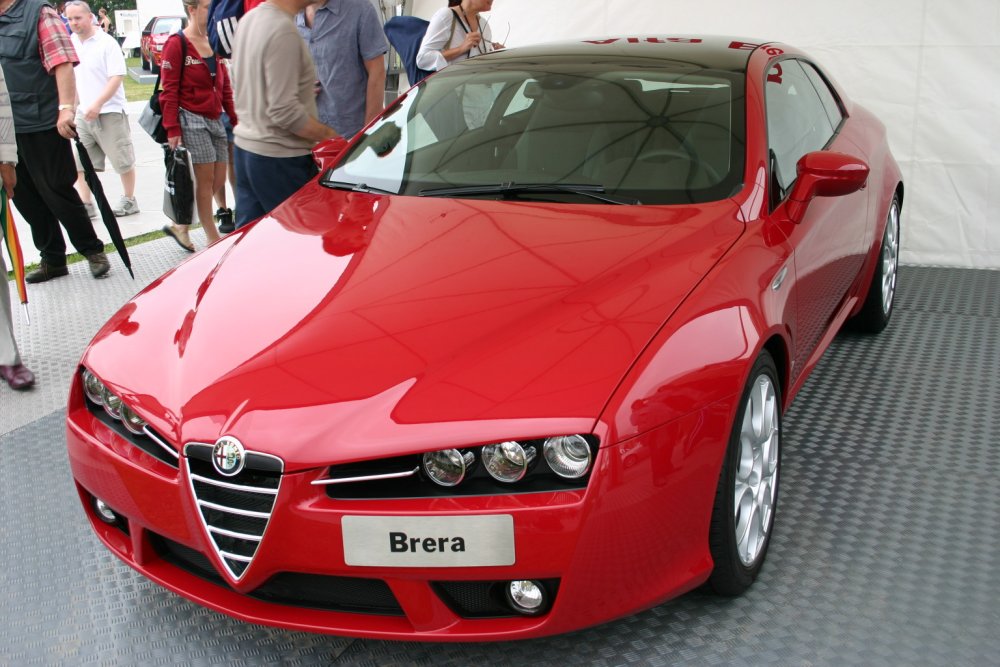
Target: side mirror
x,y
824,174
327,152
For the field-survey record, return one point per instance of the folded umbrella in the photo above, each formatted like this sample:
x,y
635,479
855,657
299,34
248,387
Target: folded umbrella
x,y
108,215
14,250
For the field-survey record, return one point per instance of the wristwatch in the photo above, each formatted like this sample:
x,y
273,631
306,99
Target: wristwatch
x,y
65,107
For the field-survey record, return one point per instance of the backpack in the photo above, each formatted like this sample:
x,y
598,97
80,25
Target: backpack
x,y
223,15
405,34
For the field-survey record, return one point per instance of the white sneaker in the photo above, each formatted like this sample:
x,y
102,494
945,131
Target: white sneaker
x,y
90,208
126,206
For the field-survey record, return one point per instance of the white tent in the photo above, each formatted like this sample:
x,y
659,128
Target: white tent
x,y
927,69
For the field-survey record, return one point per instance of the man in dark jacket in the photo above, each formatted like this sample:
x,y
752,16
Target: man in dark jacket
x,y
38,59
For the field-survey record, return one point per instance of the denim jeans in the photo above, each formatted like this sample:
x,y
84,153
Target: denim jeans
x,y
262,183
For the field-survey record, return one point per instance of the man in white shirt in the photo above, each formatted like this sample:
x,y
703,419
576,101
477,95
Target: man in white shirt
x,y
101,121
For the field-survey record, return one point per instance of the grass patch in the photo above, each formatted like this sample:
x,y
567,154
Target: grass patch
x,y
135,91
109,248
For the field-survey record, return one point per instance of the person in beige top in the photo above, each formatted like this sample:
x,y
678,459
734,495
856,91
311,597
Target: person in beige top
x,y
276,103
12,370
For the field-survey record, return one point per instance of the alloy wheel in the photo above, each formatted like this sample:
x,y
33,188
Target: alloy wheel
x,y
890,258
756,479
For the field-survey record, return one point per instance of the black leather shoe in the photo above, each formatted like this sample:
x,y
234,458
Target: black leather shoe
x,y
18,377
46,272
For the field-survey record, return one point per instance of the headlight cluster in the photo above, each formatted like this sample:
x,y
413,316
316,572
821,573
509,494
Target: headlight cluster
x,y
568,456
98,393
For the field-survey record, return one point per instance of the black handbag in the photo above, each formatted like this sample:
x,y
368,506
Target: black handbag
x,y
151,117
178,187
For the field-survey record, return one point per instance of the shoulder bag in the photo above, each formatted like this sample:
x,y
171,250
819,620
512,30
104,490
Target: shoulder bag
x,y
151,118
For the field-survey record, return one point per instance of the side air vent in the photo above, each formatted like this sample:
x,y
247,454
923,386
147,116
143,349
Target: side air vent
x,y
235,509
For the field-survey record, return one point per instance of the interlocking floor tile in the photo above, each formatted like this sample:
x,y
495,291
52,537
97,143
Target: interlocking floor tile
x,y
886,550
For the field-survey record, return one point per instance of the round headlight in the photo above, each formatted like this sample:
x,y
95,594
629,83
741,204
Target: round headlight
x,y
112,404
507,461
133,422
526,597
93,387
567,455
104,512
448,466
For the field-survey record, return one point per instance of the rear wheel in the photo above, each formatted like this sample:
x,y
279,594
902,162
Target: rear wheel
x,y
874,315
747,495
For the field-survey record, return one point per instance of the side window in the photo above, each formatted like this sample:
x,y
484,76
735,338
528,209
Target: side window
x,y
826,95
797,122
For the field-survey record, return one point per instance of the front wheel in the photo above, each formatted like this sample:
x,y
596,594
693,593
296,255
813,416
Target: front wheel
x,y
747,495
875,313
142,59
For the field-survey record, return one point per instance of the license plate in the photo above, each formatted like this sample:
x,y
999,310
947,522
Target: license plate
x,y
439,541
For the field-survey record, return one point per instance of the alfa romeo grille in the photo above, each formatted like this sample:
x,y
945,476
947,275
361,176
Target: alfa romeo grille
x,y
234,510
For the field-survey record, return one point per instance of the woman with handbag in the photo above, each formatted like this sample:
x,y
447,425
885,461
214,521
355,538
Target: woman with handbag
x,y
196,90
456,32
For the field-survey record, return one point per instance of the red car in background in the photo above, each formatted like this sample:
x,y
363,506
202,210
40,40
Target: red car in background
x,y
515,363
154,36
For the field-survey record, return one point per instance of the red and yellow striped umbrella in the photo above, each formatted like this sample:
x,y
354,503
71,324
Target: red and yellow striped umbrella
x,y
13,249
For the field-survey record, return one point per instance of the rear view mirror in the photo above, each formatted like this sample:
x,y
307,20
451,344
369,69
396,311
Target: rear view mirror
x,y
824,174
328,152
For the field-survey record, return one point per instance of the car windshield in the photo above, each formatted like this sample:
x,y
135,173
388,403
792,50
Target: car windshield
x,y
166,26
622,132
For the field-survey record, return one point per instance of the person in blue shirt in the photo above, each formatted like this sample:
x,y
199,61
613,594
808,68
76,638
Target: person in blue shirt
x,y
348,45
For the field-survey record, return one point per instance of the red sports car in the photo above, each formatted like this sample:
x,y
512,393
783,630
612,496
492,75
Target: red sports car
x,y
515,363
154,37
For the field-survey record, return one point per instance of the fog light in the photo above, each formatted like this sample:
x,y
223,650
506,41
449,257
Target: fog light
x,y
133,422
567,455
526,597
448,466
507,461
93,387
112,404
104,513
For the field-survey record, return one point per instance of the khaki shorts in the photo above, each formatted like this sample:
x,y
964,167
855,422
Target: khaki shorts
x,y
107,137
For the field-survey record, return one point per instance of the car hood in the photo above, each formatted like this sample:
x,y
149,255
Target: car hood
x,y
348,325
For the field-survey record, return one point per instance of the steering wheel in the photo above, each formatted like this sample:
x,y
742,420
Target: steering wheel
x,y
677,154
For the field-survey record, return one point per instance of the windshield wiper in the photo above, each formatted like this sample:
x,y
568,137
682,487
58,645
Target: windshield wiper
x,y
514,189
356,187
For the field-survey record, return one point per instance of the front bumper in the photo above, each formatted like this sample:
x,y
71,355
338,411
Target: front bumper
x,y
635,537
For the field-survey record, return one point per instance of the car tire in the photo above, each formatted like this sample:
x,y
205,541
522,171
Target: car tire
x,y
153,67
142,59
877,309
747,495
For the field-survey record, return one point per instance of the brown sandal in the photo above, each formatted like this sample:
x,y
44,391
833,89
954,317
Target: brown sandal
x,y
169,231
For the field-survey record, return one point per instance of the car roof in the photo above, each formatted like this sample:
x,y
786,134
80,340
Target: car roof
x,y
701,51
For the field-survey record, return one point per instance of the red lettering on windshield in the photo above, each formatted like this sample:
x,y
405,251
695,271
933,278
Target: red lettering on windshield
x,y
651,40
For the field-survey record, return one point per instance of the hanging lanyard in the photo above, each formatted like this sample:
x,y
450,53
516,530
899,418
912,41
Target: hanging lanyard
x,y
467,27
